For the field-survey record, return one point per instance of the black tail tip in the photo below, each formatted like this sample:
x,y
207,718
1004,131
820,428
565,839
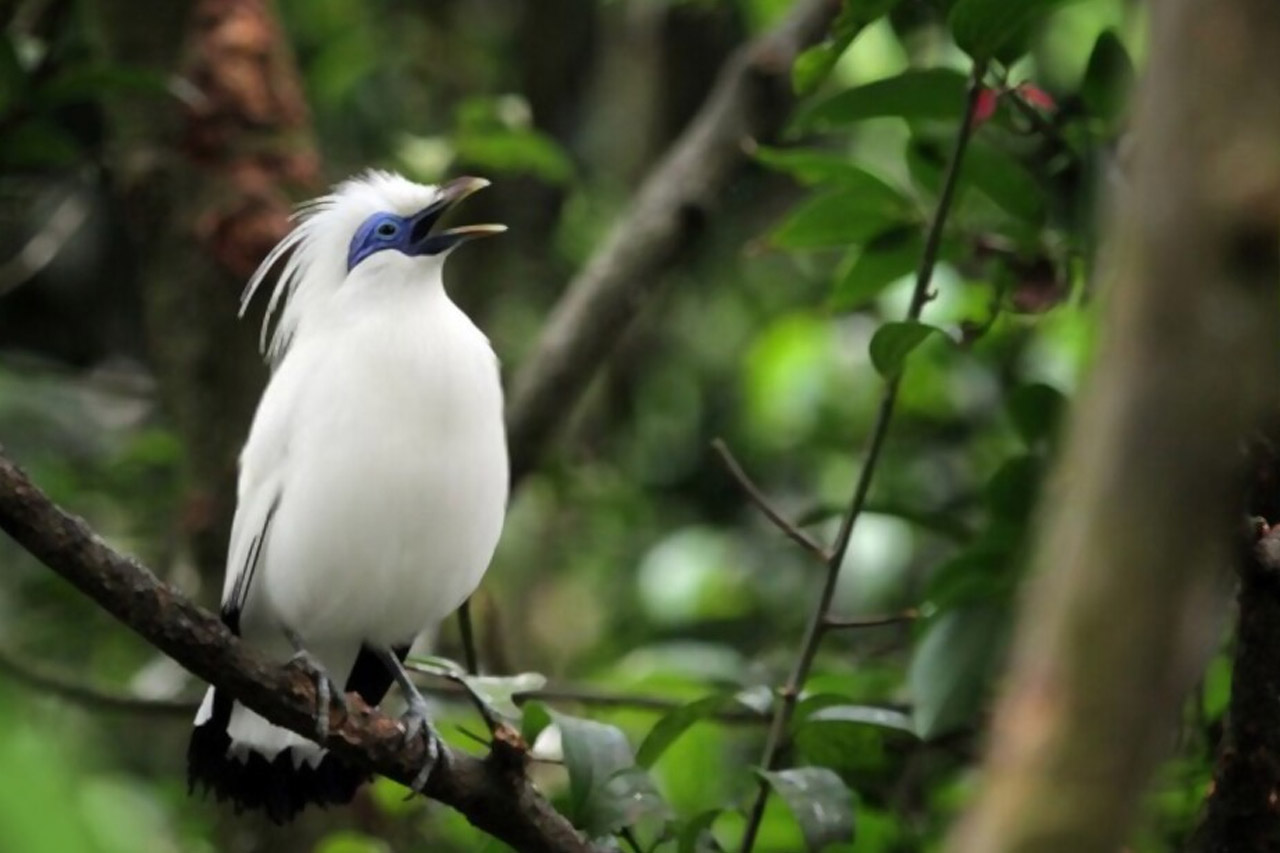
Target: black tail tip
x,y
277,786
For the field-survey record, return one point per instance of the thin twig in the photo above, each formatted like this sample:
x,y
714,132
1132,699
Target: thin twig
x,y
832,623
594,698
794,533
817,621
40,678
486,711
47,243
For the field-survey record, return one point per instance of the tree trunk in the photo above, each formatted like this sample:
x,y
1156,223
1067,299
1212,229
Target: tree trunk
x,y
208,184
1241,811
1132,561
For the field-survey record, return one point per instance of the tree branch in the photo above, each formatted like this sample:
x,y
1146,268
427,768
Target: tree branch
x,y
815,548
42,678
818,620
832,623
39,678
492,793
751,99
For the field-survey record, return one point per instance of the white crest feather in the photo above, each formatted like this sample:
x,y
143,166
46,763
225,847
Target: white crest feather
x,y
314,253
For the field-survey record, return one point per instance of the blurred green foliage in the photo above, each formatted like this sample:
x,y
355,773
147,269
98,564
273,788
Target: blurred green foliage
x,y
632,564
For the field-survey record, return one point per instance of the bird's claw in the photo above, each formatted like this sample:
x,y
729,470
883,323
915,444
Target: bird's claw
x,y
431,757
327,691
417,722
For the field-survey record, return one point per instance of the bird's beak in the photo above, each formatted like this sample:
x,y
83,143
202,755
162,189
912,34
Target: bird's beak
x,y
424,242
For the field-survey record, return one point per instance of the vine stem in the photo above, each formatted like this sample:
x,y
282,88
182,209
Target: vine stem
x,y
819,618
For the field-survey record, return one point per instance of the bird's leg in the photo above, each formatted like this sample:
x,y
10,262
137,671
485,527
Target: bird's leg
x,y
417,720
327,690
449,671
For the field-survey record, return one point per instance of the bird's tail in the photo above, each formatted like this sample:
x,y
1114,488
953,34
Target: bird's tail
x,y
240,757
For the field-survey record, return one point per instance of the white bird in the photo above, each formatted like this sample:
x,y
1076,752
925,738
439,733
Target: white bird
x,y
373,484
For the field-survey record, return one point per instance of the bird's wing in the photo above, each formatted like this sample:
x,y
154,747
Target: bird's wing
x,y
248,538
263,464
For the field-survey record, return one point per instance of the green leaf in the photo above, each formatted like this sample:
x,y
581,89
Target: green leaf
x,y
499,691
994,173
695,835
816,167
1004,180
926,160
628,797
534,717
865,715
996,29
851,739
820,802
978,575
844,217
606,789
884,259
1013,489
932,93
516,150
952,668
1036,410
676,722
814,65
1108,78
893,342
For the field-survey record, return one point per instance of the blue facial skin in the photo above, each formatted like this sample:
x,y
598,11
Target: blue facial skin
x,y
410,235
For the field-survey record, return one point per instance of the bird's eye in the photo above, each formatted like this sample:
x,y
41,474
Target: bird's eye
x,y
387,229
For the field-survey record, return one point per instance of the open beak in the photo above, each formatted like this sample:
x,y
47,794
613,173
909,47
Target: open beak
x,y
426,242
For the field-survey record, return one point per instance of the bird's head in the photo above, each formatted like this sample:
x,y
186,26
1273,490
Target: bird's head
x,y
377,229
408,224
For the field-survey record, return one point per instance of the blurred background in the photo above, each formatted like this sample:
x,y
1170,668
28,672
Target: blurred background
x,y
633,572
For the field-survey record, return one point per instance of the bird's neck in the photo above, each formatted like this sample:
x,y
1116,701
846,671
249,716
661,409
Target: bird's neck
x,y
386,302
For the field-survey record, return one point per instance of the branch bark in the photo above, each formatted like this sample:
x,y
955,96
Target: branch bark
x,y
492,793
751,99
1240,812
1142,517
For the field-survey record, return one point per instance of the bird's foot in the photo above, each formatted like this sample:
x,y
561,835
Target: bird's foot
x,y
327,690
417,721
